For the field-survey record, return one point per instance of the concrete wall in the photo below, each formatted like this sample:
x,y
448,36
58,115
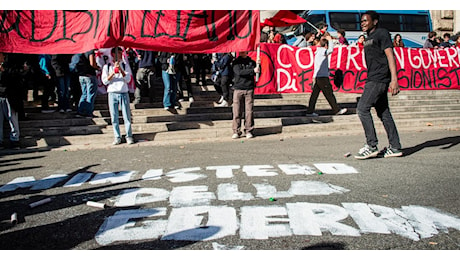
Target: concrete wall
x,y
445,21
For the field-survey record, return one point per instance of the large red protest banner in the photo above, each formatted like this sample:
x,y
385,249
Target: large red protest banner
x,y
54,31
288,69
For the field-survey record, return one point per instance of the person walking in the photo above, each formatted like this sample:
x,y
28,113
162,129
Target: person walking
x,y
116,77
321,80
381,77
244,70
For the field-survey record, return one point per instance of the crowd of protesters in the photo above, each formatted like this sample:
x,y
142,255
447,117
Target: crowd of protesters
x,y
68,83
71,82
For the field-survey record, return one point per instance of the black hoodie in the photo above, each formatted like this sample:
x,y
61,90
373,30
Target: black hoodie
x,y
243,71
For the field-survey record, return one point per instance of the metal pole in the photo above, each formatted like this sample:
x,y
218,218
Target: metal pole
x,y
258,63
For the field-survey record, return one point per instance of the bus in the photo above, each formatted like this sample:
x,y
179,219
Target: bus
x,y
412,25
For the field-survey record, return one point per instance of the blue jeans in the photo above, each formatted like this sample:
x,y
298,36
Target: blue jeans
x,y
121,99
88,95
170,84
6,112
63,91
375,94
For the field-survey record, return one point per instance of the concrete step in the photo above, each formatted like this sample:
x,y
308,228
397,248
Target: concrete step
x,y
275,115
61,131
92,141
75,126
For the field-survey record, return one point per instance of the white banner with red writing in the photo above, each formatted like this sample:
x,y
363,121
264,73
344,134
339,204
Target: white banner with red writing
x,y
57,31
288,69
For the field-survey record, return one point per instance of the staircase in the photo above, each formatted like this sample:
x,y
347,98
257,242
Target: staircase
x,y
276,116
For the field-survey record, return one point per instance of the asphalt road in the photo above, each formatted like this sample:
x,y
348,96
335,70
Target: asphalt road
x,y
266,194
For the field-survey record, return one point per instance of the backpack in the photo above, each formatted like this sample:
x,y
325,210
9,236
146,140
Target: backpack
x,y
338,78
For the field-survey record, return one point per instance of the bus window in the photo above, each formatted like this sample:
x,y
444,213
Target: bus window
x,y
392,22
314,19
345,20
416,23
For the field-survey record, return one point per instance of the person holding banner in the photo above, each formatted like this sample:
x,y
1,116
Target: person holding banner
x,y
456,39
341,37
398,41
431,42
116,78
381,77
360,41
244,71
321,81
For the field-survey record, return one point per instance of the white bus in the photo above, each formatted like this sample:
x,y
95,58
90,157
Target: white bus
x,y
412,25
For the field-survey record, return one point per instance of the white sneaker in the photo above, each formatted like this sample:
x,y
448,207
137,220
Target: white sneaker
x,y
129,140
313,115
249,135
191,100
61,111
221,99
116,141
342,111
223,104
235,136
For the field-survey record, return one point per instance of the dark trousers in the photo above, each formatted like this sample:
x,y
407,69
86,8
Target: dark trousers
x,y
200,74
144,84
183,78
375,94
49,91
222,86
322,84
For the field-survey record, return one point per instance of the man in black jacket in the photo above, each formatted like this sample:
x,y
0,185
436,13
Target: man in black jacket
x,y
244,70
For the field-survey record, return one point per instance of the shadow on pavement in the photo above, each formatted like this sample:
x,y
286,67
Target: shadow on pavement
x,y
449,141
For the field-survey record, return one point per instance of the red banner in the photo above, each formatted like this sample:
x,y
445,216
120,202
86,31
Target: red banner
x,y
288,69
53,32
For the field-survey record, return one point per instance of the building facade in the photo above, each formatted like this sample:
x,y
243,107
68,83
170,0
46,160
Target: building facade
x,y
445,21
